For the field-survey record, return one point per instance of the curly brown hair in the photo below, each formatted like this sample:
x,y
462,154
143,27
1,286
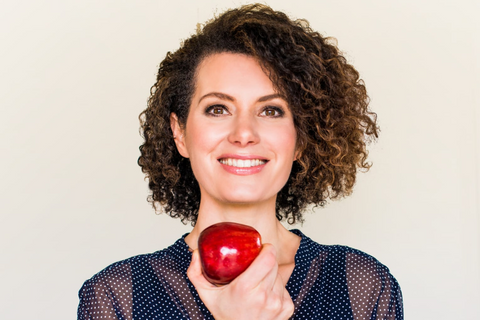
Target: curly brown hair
x,y
328,101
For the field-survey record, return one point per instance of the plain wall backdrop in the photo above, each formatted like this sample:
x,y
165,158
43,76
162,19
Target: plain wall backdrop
x,y
74,75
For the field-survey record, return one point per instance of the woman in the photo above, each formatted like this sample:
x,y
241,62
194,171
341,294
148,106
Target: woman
x,y
251,120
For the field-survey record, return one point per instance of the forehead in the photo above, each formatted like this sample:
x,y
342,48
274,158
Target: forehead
x,y
229,70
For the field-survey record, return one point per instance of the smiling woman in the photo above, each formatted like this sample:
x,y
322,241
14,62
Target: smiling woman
x,y
239,136
251,120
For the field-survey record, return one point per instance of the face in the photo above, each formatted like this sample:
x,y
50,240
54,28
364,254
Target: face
x,y
239,136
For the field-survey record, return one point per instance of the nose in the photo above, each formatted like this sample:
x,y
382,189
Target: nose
x,y
244,131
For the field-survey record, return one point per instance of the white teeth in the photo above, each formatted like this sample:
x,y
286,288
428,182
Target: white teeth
x,y
239,163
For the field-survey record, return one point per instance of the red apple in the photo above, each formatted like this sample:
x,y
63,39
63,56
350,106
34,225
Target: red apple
x,y
226,250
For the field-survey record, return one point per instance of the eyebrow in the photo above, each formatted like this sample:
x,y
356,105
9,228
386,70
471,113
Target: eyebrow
x,y
271,97
224,96
219,95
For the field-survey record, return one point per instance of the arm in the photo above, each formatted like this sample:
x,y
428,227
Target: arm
x,y
107,296
374,292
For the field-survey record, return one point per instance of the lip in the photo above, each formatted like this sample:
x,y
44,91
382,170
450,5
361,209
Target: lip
x,y
242,171
241,156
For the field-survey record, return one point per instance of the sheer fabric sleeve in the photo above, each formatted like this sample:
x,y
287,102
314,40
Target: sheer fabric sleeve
x,y
108,295
374,292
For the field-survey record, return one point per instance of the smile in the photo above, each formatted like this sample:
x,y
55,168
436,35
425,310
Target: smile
x,y
239,163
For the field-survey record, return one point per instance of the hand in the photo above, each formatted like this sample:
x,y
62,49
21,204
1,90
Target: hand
x,y
258,293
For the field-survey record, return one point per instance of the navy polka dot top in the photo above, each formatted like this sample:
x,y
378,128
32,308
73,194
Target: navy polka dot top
x,y
328,282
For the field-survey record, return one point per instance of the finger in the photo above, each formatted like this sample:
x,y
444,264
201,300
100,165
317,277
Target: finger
x,y
263,269
288,305
272,280
278,286
195,274
279,301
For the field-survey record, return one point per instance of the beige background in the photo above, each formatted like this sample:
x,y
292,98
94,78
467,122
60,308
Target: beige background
x,y
74,75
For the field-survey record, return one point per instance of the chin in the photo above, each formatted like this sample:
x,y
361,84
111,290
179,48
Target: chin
x,y
247,197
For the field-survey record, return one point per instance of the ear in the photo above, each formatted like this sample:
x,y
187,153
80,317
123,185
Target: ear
x,y
178,135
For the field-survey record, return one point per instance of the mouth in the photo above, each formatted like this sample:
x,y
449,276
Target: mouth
x,y
242,163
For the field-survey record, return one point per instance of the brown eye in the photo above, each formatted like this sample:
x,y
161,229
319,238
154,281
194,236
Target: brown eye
x,y
270,113
273,112
216,110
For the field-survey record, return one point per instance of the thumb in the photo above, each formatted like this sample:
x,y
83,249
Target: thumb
x,y
195,274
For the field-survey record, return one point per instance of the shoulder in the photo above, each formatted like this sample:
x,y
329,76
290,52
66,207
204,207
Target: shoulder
x,y
352,258
120,274
371,288
110,292
112,282
361,270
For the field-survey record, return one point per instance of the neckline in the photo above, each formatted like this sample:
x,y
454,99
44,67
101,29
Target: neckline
x,y
300,258
299,233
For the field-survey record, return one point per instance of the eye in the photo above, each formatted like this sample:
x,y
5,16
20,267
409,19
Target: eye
x,y
272,112
217,110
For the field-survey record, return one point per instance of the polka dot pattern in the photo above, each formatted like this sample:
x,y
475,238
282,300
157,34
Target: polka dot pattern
x,y
328,282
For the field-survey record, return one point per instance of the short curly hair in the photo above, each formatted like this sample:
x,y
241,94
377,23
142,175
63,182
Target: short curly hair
x,y
328,101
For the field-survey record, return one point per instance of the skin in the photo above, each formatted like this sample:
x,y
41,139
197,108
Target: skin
x,y
236,113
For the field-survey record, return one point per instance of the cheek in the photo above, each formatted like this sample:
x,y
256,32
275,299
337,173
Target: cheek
x,y
285,140
201,138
